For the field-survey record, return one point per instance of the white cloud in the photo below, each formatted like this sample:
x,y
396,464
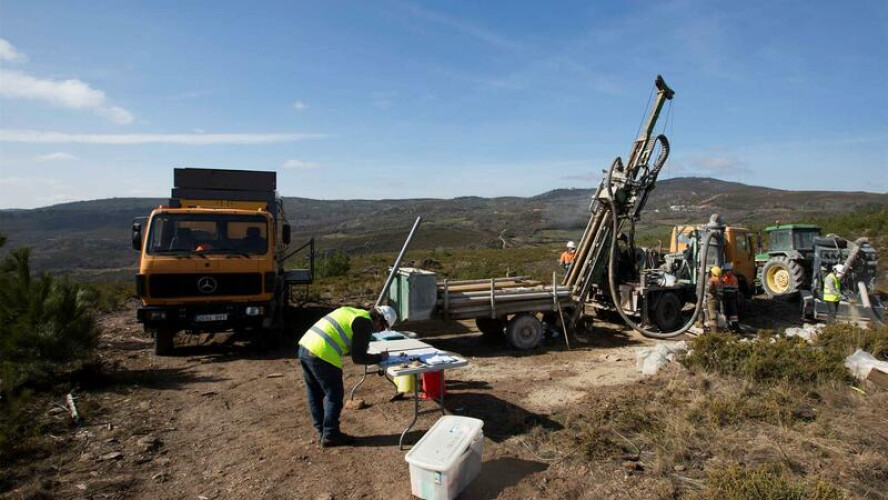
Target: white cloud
x,y
51,137
116,114
71,93
9,54
299,165
60,156
299,106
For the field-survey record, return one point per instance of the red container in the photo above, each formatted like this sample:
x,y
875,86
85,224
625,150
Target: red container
x,y
433,385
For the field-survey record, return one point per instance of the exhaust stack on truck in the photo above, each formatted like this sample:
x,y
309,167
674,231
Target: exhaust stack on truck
x,y
212,259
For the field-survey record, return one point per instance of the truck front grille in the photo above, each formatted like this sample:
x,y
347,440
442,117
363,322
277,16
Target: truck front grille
x,y
167,286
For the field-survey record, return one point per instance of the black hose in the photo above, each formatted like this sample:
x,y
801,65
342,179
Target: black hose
x,y
611,277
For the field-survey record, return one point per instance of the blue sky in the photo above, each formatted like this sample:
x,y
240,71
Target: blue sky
x,y
396,99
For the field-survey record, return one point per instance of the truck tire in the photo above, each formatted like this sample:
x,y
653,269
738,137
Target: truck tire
x,y
163,342
782,277
491,329
667,312
524,331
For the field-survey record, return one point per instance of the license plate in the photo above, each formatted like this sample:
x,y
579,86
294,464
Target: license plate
x,y
201,318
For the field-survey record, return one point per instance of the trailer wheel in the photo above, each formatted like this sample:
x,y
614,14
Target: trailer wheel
x,y
491,328
667,312
163,342
524,331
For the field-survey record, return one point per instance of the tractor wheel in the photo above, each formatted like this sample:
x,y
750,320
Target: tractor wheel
x,y
782,277
667,312
491,329
163,342
524,331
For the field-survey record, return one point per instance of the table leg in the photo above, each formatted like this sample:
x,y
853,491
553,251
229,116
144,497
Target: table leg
x,y
355,388
443,388
415,412
391,380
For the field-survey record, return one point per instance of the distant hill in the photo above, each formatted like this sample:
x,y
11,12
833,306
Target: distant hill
x,y
92,237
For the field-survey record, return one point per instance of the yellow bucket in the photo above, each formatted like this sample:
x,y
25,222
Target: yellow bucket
x,y
405,383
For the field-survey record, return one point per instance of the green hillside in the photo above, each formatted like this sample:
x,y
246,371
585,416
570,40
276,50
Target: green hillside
x,y
91,238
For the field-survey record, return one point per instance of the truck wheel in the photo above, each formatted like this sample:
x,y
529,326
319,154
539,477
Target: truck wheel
x,y
524,331
491,328
667,312
782,277
163,342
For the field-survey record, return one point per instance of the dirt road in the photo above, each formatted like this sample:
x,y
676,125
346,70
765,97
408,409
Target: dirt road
x,y
224,420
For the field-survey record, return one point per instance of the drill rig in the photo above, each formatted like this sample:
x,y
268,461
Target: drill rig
x,y
608,271
604,275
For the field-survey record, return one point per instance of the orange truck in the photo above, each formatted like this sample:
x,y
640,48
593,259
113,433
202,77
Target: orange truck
x,y
212,259
736,246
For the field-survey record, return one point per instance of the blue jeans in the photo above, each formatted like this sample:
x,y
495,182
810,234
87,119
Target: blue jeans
x,y
323,383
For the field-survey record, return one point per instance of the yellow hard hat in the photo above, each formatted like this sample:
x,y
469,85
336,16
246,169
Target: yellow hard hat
x,y
716,271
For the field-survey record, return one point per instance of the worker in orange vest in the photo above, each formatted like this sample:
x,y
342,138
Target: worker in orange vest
x,y
730,288
567,257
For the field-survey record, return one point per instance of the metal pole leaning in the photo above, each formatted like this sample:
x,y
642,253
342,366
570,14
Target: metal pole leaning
x,y
391,276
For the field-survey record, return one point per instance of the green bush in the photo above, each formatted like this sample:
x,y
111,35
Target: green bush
x,y
333,264
769,359
768,482
110,296
842,339
45,324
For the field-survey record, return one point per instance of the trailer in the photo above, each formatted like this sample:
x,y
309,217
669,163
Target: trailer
x,y
515,307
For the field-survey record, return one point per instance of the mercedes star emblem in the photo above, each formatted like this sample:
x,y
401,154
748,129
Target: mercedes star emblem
x,y
207,284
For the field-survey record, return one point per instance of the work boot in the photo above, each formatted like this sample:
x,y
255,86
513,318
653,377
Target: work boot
x,y
338,439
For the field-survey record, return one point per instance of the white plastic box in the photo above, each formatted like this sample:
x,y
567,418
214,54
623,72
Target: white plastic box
x,y
447,458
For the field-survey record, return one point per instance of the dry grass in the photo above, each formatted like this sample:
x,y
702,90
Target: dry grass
x,y
753,420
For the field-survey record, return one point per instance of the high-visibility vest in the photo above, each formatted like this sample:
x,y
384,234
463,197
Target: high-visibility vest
x,y
331,337
729,281
832,288
568,257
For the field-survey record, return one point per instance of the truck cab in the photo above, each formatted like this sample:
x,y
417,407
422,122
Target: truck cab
x,y
737,246
212,258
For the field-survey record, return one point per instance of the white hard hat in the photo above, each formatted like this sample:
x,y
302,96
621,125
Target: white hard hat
x,y
839,268
389,313
571,244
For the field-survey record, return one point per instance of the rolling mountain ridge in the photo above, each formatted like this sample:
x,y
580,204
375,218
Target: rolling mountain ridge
x,y
93,236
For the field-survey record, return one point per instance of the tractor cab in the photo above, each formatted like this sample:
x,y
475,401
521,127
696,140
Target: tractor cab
x,y
785,267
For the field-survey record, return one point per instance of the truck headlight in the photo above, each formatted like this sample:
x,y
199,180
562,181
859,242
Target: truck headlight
x,y
255,311
157,315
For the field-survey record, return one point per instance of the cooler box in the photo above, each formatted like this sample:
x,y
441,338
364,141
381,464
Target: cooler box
x,y
447,458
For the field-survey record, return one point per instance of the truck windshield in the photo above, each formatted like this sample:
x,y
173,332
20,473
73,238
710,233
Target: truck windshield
x,y
208,233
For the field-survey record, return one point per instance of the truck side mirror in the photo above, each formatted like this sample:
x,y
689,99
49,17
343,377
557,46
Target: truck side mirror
x,y
286,235
137,236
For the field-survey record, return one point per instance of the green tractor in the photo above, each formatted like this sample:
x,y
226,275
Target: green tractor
x,y
785,268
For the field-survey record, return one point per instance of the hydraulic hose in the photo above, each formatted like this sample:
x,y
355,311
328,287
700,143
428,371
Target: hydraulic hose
x,y
611,276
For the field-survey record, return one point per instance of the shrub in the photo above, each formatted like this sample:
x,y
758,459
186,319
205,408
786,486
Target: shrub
x,y
110,296
767,482
333,264
842,339
45,324
769,359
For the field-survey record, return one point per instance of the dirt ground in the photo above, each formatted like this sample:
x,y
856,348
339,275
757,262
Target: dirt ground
x,y
222,419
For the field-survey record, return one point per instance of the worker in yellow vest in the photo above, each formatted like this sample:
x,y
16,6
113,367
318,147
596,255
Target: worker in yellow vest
x,y
832,291
345,331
